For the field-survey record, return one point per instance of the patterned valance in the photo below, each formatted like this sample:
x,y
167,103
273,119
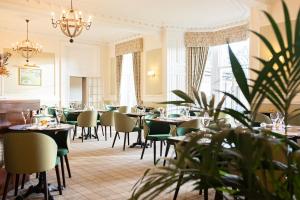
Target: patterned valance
x,y
206,39
131,46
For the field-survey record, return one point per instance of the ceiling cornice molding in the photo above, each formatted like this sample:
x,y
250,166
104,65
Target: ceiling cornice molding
x,y
38,7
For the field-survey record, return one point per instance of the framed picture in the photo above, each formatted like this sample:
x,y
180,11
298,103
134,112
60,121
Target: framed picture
x,y
30,76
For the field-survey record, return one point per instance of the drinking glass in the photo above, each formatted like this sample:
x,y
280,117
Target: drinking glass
x,y
187,111
58,116
206,119
274,118
24,117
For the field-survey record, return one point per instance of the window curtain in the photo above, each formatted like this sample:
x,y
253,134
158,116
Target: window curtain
x,y
119,60
135,47
196,61
137,75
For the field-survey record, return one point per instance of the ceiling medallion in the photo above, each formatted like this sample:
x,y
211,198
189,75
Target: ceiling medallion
x,y
27,48
71,22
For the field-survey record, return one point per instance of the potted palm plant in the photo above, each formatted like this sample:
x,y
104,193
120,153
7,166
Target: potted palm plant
x,y
243,163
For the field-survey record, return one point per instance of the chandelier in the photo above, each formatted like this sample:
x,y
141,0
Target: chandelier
x,y
71,23
27,48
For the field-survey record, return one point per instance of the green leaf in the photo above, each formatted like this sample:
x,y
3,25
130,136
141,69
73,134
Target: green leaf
x,y
204,100
239,75
297,35
183,96
196,95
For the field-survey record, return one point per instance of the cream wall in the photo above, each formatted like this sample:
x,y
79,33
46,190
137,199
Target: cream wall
x,y
152,89
259,23
77,59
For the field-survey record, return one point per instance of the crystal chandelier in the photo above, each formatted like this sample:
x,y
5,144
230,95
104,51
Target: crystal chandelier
x,y
27,48
71,23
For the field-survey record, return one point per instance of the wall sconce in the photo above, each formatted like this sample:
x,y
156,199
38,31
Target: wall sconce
x,y
151,73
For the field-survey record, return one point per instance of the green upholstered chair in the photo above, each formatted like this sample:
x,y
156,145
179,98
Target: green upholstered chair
x,y
52,111
36,153
188,126
122,109
71,118
88,119
62,140
124,124
174,115
155,131
107,120
110,108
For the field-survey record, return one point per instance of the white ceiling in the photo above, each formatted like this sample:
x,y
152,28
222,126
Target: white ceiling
x,y
119,19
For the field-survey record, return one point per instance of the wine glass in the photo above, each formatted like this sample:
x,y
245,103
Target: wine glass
x,y
274,118
187,111
24,117
206,119
58,116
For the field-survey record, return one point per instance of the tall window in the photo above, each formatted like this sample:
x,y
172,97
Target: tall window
x,y
218,74
127,91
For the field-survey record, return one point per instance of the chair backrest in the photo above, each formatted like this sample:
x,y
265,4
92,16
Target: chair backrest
x,y
188,126
174,115
262,118
156,128
107,118
122,109
295,121
123,123
26,153
52,111
87,119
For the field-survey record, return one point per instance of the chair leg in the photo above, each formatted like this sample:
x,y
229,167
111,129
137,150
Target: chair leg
x,y
178,185
119,136
205,194
23,181
6,186
96,133
82,133
102,130
58,180
75,132
105,133
128,139
161,147
124,142
117,133
166,153
46,194
68,166
110,133
144,147
17,184
62,170
154,152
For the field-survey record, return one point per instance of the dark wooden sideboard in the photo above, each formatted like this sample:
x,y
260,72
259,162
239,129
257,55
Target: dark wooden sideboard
x,y
10,114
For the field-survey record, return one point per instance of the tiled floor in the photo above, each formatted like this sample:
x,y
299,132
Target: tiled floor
x,y
101,172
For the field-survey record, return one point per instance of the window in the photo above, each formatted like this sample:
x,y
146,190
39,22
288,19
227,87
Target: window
x,y
95,92
127,91
218,74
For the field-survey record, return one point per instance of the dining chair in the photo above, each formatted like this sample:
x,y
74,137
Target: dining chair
x,y
88,119
153,132
188,126
262,118
174,115
36,153
62,140
124,124
107,120
122,109
71,118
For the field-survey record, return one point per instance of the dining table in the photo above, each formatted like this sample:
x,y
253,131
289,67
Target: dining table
x,y
60,134
140,116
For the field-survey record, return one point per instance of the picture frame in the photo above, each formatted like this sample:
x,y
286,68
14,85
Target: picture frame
x,y
29,76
